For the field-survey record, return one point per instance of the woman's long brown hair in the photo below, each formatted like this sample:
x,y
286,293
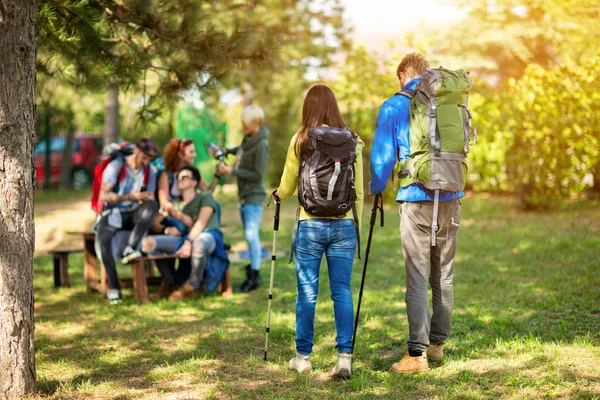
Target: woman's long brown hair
x,y
174,153
320,108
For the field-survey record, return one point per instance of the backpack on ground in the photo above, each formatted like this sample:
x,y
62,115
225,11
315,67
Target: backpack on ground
x,y
111,152
326,178
440,132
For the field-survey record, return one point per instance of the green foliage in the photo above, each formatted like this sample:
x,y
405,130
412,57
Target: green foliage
x,y
556,131
502,37
103,42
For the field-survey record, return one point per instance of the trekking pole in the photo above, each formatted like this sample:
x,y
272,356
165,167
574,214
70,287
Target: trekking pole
x,y
376,206
273,258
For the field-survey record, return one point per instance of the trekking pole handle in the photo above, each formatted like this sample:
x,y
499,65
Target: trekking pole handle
x,y
374,210
276,217
381,208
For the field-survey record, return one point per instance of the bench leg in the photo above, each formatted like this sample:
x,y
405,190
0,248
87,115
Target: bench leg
x,y
90,266
149,267
225,287
61,269
140,287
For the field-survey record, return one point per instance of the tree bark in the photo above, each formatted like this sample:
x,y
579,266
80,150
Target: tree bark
x,y
111,116
18,46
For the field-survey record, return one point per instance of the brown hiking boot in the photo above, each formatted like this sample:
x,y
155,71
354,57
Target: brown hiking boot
x,y
410,364
165,290
435,352
184,292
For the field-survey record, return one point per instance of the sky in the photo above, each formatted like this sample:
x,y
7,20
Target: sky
x,y
376,21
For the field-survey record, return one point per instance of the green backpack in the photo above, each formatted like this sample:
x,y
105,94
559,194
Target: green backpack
x,y
440,132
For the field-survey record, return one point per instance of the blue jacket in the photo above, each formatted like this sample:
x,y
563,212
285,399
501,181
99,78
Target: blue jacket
x,y
217,263
391,143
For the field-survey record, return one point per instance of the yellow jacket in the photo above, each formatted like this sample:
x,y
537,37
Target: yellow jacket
x,y
289,180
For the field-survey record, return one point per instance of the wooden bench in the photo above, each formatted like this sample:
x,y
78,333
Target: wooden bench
x,y
142,272
140,287
60,260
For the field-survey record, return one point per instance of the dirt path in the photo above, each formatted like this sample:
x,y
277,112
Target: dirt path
x,y
54,219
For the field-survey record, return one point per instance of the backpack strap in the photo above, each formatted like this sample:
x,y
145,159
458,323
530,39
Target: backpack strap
x,y
122,174
147,171
294,232
408,93
434,222
355,216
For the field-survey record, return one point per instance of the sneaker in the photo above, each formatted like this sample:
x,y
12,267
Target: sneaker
x,y
342,369
130,254
184,292
114,296
435,352
410,364
301,364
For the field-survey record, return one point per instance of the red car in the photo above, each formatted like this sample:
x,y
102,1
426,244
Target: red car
x,y
87,153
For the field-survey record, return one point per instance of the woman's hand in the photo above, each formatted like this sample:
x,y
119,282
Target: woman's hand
x,y
185,251
168,207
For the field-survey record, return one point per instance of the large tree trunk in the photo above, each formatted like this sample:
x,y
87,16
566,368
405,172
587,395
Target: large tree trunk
x,y
111,116
18,45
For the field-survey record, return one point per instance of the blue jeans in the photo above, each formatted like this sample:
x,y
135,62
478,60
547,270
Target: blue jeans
x,y
203,246
337,239
251,215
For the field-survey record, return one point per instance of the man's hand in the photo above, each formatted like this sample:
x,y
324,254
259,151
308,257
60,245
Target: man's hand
x,y
185,251
172,231
138,195
276,198
369,190
224,169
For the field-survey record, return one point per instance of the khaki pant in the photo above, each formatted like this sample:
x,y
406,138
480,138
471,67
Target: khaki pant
x,y
427,264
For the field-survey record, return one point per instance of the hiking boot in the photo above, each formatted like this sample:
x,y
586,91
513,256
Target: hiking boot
x,y
165,290
184,292
435,352
129,254
301,363
342,369
248,275
410,364
114,296
253,281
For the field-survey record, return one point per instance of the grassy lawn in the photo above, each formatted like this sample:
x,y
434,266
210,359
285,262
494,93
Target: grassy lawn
x,y
526,323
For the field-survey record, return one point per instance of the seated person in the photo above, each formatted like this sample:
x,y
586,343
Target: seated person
x,y
177,154
204,243
128,187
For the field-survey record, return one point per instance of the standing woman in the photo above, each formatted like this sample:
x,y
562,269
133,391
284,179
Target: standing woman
x,y
333,235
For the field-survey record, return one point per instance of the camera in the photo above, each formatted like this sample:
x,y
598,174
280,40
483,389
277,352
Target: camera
x,y
216,152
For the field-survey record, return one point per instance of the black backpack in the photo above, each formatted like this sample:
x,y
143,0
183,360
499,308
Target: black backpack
x,y
326,178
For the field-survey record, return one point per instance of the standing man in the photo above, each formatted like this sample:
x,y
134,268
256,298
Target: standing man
x,y
250,168
128,186
425,262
